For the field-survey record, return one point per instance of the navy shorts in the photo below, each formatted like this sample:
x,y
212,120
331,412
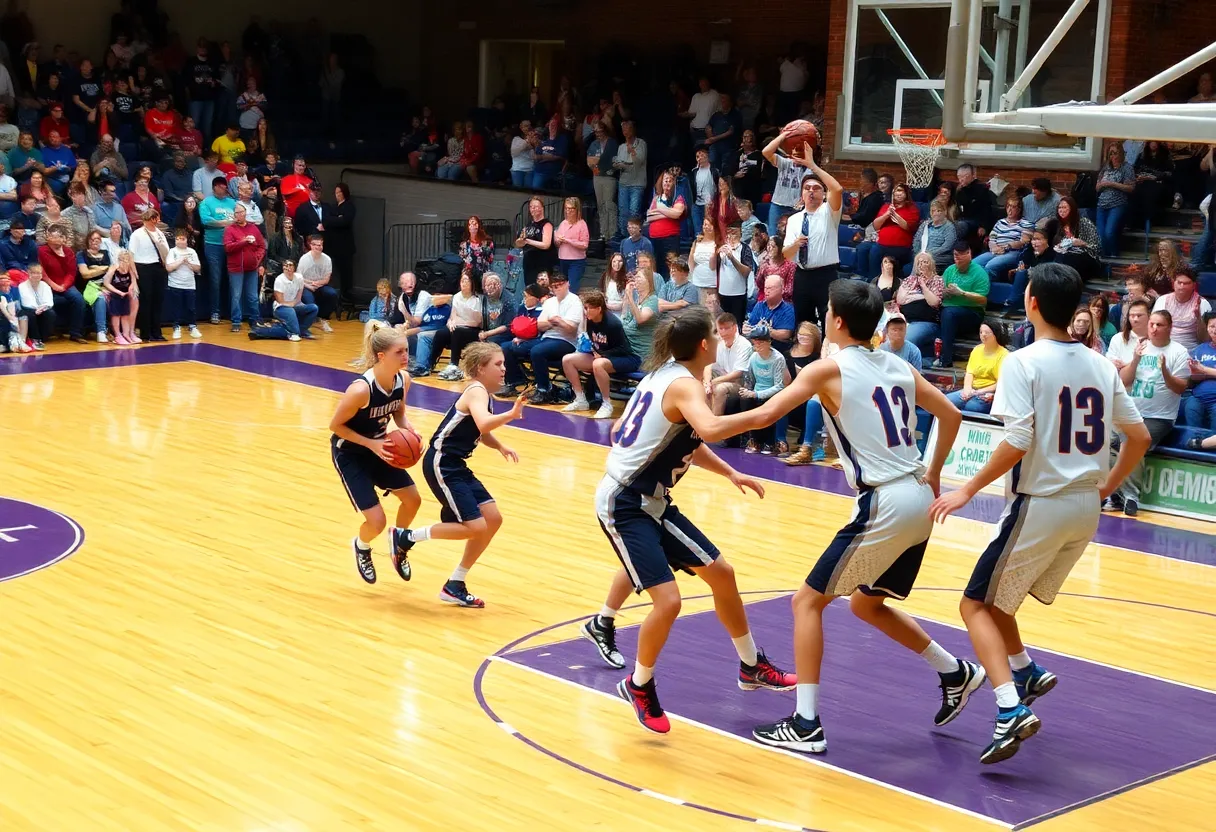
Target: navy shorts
x,y
362,472
650,535
460,494
625,364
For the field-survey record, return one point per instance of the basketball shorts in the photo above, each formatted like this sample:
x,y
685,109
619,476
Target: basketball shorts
x,y
362,472
650,535
460,494
1036,544
881,549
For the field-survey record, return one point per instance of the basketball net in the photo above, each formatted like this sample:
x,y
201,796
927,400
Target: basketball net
x,y
918,149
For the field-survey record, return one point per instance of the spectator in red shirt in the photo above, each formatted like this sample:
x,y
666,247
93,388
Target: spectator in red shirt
x,y
140,201
59,271
190,139
162,123
896,223
474,153
295,186
55,121
246,248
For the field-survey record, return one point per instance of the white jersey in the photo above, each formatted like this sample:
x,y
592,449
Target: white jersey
x,y
874,430
649,453
1060,403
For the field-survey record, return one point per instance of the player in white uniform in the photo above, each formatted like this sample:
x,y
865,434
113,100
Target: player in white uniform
x,y
870,398
662,433
1060,402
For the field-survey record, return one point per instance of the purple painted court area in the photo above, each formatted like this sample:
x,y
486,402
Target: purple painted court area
x,y
1179,544
1104,729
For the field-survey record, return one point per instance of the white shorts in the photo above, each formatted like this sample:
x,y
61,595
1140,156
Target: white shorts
x,y
1036,544
881,549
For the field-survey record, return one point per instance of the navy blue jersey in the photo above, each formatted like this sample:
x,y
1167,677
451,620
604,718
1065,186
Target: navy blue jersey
x,y
457,435
372,419
649,453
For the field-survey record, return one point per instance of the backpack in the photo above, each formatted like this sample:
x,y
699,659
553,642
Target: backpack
x,y
524,327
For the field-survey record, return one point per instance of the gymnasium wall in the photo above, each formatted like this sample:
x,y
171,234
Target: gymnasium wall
x,y
392,27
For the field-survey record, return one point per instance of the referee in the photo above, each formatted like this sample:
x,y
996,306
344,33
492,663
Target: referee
x,y
812,244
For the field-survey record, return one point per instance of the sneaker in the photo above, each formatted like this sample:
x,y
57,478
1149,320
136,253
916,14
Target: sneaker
x,y
308,336
455,592
766,449
400,543
195,333
135,339
765,675
363,561
215,319
1012,726
419,372
781,449
579,403
236,327
645,702
957,688
290,337
602,633
121,340
39,346
1177,202
752,447
101,338
541,397
1113,503
794,733
1131,507
1032,682
605,411
78,339
325,327
507,391
802,456
446,372
22,346
177,333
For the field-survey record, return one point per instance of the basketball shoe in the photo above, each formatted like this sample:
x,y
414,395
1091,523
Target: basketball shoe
x,y
765,675
645,702
602,633
957,688
455,592
794,733
1012,726
1032,682
363,561
399,541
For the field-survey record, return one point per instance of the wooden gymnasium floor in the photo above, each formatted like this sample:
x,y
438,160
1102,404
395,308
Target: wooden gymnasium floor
x,y
208,658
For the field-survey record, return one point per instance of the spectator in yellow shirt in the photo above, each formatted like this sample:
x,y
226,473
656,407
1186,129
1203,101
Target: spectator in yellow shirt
x,y
229,145
983,370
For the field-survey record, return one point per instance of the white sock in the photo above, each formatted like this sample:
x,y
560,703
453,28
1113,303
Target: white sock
x,y
939,658
808,701
608,612
1020,661
418,535
745,646
459,574
642,674
364,545
1006,696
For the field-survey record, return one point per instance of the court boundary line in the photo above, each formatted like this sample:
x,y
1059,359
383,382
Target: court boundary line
x,y
95,360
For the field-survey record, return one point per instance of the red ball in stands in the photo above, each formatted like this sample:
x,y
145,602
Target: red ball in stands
x,y
405,447
800,132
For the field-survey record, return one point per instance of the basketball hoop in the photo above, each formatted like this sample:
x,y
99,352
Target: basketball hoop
x,y
918,149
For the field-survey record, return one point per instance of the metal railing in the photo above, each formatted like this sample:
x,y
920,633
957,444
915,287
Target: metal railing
x,y
405,244
555,213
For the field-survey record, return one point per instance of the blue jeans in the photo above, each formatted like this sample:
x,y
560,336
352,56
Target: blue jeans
x,y
998,266
243,291
662,245
1110,227
698,217
299,318
73,302
181,306
545,352
1198,414
870,256
1202,254
573,269
422,349
1021,279
519,178
449,171
957,320
775,213
973,405
203,113
217,266
326,299
542,181
99,312
923,334
629,204
812,428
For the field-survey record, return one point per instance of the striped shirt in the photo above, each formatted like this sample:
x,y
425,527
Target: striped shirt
x,y
1006,233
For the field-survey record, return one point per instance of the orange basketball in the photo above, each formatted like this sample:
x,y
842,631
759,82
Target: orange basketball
x,y
800,132
405,448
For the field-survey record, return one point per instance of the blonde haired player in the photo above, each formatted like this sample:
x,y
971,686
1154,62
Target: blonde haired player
x,y
360,425
1060,402
468,512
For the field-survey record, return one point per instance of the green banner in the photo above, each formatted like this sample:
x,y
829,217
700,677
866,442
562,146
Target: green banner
x,y
1179,486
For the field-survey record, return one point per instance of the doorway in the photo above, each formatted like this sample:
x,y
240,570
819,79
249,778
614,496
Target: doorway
x,y
510,68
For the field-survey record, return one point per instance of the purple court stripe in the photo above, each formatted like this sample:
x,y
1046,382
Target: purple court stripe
x,y
1125,532
876,710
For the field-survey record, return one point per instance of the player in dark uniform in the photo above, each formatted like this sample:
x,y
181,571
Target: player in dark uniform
x,y
360,425
469,513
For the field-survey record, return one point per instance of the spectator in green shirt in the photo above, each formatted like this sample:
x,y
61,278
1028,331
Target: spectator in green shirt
x,y
963,301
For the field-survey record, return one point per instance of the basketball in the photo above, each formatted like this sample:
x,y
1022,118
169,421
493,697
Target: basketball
x,y
405,447
800,132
